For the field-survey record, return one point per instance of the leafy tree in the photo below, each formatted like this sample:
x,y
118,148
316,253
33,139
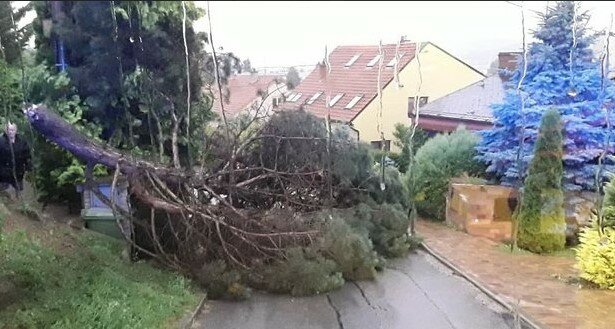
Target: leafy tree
x,y
541,217
13,42
292,78
402,135
127,61
553,81
10,92
246,67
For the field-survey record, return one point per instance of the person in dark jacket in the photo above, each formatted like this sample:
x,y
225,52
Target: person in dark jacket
x,y
21,153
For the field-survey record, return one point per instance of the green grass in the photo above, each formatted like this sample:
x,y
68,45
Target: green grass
x,y
566,253
86,286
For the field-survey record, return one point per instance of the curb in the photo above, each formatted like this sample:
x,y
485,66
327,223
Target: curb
x,y
187,324
523,315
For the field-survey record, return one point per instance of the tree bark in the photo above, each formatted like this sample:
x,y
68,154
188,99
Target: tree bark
x,y
174,147
57,130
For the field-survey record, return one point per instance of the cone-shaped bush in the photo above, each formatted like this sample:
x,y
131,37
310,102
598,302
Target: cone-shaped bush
x,y
541,216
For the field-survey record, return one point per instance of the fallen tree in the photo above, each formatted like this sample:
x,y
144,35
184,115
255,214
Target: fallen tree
x,y
269,188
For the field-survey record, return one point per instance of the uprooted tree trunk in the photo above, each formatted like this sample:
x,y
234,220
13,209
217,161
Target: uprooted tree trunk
x,y
188,218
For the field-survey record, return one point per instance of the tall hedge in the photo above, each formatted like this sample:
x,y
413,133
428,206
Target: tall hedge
x,y
541,216
441,158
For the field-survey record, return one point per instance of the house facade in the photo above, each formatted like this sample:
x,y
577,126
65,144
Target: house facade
x,y
350,87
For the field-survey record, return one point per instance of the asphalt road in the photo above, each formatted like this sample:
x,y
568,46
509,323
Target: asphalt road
x,y
414,292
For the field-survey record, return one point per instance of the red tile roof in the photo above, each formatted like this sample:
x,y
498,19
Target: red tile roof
x,y
243,91
355,80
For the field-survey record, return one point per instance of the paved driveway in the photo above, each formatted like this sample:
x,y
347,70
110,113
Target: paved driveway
x,y
414,292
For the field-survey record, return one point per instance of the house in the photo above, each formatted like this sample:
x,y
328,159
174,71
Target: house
x,y
351,86
250,93
470,106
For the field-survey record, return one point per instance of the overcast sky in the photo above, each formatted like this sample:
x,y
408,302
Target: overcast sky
x,y
295,33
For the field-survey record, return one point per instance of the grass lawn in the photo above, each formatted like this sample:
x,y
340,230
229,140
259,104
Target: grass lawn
x,y
76,279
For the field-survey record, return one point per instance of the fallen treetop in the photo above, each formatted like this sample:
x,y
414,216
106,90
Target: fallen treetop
x,y
57,130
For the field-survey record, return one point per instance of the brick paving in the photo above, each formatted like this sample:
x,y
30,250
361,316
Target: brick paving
x,y
536,280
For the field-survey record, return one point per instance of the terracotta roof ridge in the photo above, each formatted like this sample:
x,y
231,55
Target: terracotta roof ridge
x,y
384,44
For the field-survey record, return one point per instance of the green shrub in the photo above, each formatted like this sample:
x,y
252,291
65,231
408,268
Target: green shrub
x,y
352,251
304,272
437,161
221,281
596,257
394,190
390,233
386,226
352,164
541,216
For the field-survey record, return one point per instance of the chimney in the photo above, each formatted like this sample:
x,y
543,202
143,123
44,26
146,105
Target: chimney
x,y
508,61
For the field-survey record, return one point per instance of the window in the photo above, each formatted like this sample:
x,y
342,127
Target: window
x,y
353,102
422,101
315,97
295,98
378,145
352,60
373,61
394,60
335,99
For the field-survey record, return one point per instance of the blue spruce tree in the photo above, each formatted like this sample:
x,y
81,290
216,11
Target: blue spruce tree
x,y
562,73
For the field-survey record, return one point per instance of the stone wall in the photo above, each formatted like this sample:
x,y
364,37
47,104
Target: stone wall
x,y
579,206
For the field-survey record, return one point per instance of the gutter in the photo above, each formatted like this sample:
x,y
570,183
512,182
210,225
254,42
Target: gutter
x,y
528,320
189,322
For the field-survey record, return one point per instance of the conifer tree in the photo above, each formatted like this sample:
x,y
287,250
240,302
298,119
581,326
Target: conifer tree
x,y
552,80
541,216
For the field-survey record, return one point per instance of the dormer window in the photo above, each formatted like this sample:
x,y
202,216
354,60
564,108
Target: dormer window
x,y
314,98
394,60
352,60
353,102
373,61
296,98
335,99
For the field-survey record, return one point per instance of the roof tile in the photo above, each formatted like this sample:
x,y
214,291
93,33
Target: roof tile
x,y
243,91
354,80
